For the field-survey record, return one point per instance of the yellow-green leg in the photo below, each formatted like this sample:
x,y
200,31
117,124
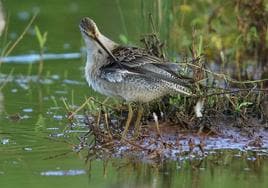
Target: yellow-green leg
x,y
129,118
138,120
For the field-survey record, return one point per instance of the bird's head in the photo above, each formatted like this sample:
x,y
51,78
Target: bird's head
x,y
94,39
89,28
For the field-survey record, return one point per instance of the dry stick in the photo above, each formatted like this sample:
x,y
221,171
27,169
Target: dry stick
x,y
21,36
58,155
158,129
136,145
107,125
259,96
98,118
80,108
251,91
230,92
226,77
157,125
103,103
85,103
60,141
152,23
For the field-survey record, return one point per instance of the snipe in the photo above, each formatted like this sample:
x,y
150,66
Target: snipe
x,y
129,73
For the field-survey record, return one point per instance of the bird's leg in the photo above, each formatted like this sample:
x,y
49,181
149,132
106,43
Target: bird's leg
x,y
129,118
138,120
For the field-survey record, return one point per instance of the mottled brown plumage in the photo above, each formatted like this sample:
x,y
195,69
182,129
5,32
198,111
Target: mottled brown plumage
x,y
129,73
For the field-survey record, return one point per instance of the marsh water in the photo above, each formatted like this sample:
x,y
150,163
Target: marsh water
x,y
36,144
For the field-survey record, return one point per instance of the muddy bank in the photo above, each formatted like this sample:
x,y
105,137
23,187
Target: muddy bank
x,y
167,141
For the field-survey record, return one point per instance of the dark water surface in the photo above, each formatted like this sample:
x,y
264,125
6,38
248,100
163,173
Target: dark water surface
x,y
34,152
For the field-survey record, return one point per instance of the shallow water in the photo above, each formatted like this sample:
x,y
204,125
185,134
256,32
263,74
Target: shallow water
x,y
36,144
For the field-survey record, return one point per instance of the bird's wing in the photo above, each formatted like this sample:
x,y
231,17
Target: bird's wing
x,y
119,74
138,60
115,74
134,57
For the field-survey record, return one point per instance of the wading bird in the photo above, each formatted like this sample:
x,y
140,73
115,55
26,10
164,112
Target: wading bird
x,y
129,73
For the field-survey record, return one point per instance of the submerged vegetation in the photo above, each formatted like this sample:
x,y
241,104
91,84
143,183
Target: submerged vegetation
x,y
42,39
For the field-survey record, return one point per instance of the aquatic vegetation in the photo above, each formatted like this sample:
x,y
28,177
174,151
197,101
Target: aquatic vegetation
x,y
8,47
42,39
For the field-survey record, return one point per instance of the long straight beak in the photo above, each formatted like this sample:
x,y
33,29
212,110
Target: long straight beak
x,y
106,49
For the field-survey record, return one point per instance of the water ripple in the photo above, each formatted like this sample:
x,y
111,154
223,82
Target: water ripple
x,y
63,173
31,58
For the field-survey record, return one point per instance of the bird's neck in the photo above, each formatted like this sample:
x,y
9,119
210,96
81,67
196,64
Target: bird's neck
x,y
109,44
